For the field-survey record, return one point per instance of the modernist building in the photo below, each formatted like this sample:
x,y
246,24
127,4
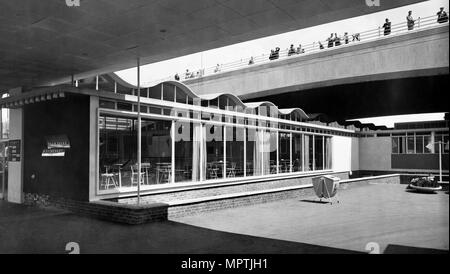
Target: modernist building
x,y
80,142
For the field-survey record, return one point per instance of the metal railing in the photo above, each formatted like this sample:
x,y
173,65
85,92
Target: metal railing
x,y
351,39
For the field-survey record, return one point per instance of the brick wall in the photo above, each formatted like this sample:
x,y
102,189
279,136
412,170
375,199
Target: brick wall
x,y
143,213
224,189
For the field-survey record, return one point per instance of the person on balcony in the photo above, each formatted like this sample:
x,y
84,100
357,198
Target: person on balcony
x,y
276,53
330,41
442,16
300,49
217,69
320,45
355,37
337,40
272,54
177,77
410,21
387,27
251,61
291,50
346,37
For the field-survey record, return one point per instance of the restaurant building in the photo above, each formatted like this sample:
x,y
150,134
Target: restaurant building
x,y
80,141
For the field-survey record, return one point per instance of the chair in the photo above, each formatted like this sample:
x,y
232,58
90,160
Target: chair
x,y
212,170
231,171
135,175
165,174
108,179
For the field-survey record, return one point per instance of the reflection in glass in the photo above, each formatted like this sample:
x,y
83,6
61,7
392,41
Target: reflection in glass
x,y
235,151
284,149
297,155
214,152
318,150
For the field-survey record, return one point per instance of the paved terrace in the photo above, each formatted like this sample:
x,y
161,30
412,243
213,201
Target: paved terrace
x,y
398,220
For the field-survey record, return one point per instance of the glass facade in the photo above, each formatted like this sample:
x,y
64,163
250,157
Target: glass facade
x,y
189,145
418,142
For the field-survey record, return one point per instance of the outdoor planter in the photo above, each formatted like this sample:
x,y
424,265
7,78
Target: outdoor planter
x,y
425,184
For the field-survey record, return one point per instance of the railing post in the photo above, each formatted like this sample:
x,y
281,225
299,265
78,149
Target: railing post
x,y
418,22
379,31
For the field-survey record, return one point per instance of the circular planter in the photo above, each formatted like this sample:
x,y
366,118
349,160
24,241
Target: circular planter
x,y
425,189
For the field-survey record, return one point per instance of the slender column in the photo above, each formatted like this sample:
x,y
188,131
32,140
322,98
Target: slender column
x,y
115,87
96,82
172,135
200,139
440,161
314,152
290,152
278,150
139,131
224,167
245,151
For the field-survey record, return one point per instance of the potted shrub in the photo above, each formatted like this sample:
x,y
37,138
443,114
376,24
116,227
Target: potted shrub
x,y
425,184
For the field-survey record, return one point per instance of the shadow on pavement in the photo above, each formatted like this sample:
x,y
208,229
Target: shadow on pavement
x,y
315,201
30,230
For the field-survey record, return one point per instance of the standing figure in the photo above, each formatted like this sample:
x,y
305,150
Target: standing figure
x,y
387,27
410,21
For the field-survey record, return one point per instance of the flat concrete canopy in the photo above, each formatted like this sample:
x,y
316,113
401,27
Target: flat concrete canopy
x,y
45,42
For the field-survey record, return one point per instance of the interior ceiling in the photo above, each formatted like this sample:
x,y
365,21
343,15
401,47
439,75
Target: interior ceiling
x,y
45,42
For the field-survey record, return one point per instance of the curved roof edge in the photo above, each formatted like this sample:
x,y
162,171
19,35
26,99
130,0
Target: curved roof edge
x,y
211,96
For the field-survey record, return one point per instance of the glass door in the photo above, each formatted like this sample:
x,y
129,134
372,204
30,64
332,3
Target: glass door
x,y
3,169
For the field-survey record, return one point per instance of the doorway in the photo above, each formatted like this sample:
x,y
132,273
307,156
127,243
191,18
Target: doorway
x,y
3,169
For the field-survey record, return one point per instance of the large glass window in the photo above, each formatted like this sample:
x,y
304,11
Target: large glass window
x,y
419,144
328,155
410,144
185,158
399,144
427,144
214,152
235,151
297,152
441,137
156,156
251,151
319,152
118,149
118,152
284,148
273,151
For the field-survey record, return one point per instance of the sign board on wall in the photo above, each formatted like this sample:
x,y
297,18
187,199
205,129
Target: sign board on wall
x,y
54,152
14,150
57,141
56,146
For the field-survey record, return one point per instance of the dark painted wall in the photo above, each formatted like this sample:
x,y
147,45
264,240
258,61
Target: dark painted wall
x,y
419,161
57,176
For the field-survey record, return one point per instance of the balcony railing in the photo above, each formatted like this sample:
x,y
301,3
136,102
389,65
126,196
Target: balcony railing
x,y
355,38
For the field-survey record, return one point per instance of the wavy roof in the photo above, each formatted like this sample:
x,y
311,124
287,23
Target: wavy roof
x,y
212,96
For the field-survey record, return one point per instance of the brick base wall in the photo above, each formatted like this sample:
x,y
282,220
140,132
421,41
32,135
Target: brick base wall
x,y
225,189
143,213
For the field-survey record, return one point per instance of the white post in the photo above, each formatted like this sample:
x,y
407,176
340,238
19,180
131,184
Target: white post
x,y
290,152
278,151
139,133
173,133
